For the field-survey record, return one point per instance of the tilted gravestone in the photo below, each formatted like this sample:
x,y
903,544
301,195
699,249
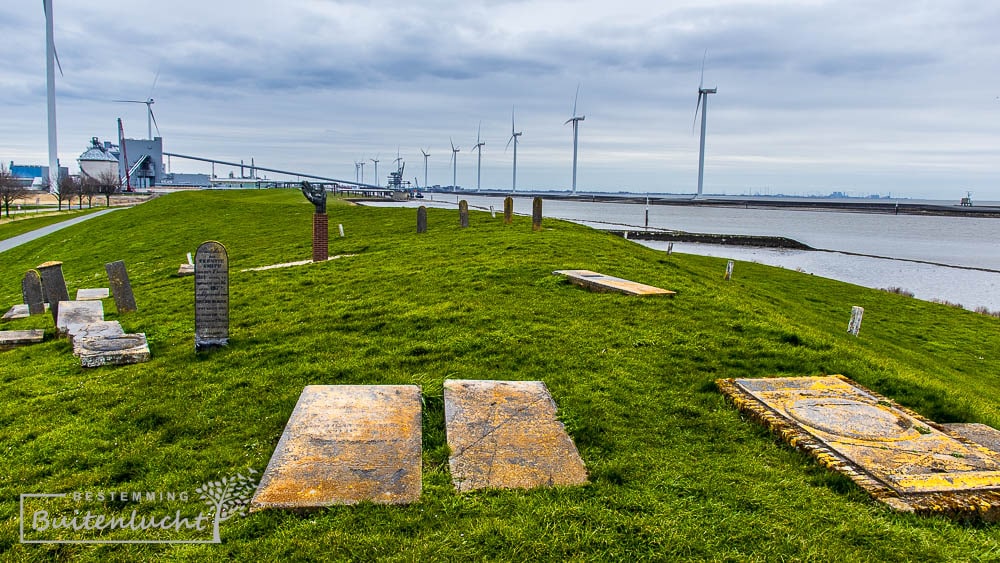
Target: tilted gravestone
x,y
536,214
211,296
463,213
508,210
31,291
53,286
121,288
421,219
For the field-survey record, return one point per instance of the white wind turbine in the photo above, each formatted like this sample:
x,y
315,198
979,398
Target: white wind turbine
x,y
426,154
702,93
51,61
150,118
362,165
513,137
375,160
575,120
479,147
454,165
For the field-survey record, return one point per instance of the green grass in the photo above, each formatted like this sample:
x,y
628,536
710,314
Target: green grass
x,y
676,472
19,224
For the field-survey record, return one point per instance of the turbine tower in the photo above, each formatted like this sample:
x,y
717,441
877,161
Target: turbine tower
x,y
362,165
576,125
479,147
426,154
702,94
513,137
51,61
454,165
375,160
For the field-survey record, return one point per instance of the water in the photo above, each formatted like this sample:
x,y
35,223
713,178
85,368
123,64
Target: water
x,y
964,263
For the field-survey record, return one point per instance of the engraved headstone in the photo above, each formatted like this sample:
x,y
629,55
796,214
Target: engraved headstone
x,y
854,326
505,434
508,210
345,444
211,296
729,271
53,286
421,219
31,291
121,288
536,214
463,213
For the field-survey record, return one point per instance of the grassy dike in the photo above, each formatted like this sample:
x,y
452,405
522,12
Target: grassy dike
x,y
19,224
675,471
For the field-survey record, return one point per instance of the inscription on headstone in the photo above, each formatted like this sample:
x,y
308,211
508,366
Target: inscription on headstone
x,y
31,291
463,213
536,214
121,288
854,327
729,271
508,210
53,286
421,219
211,296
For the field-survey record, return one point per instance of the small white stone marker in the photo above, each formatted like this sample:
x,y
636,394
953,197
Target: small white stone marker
x,y
670,248
190,260
493,212
729,271
854,327
341,227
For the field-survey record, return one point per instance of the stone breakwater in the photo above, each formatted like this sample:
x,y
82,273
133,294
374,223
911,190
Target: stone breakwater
x,y
708,238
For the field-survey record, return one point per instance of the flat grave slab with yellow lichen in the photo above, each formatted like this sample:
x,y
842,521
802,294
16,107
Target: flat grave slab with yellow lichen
x,y
899,457
601,282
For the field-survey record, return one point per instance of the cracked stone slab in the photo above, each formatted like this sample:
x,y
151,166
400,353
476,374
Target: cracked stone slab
x,y
504,434
12,338
104,329
897,456
345,444
74,315
601,282
96,351
984,435
17,312
92,294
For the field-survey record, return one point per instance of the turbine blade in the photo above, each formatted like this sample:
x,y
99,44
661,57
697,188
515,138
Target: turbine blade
x,y
696,108
701,81
155,78
452,144
575,98
508,142
511,120
129,101
153,115
58,64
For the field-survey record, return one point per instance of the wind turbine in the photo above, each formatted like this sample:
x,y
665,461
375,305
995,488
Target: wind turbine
x,y
576,125
362,165
426,154
702,93
479,147
150,118
357,166
513,137
454,165
51,61
375,160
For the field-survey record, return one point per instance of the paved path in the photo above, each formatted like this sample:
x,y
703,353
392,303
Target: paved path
x,y
38,233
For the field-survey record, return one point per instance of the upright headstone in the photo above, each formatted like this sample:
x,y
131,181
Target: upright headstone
x,y
854,327
729,271
53,286
211,296
121,288
31,291
508,210
421,219
463,213
536,214
493,212
670,248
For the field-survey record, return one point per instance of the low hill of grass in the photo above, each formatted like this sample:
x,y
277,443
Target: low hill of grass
x,y
675,471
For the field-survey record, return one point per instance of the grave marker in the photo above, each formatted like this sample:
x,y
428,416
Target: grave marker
x,y
340,226
421,219
670,248
211,296
508,210
729,271
854,327
536,214
74,316
53,286
600,282
96,351
463,213
121,288
12,338
92,294
31,291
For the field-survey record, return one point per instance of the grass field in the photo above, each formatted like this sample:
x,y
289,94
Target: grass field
x,y
20,224
675,471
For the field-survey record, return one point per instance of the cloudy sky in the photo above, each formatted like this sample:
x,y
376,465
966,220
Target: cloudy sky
x,y
888,97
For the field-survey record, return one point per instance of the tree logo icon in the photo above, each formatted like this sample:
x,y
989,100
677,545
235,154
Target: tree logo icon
x,y
228,497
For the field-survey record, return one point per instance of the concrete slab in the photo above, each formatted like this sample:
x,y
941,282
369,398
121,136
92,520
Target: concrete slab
x,y
600,282
504,434
96,351
12,338
344,444
896,455
92,294
74,315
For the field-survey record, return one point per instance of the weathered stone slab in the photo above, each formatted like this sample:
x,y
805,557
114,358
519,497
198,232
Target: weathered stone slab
x,y
185,270
121,288
31,291
211,296
463,214
96,351
17,312
536,214
504,434
75,315
92,294
508,210
986,436
53,286
12,338
899,457
600,282
345,444
421,219
104,329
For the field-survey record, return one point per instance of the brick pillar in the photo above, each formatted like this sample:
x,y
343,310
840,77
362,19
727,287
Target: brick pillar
x,y
320,238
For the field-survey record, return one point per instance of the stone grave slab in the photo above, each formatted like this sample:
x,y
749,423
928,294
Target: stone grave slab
x,y
981,434
600,282
185,270
74,315
896,455
53,285
20,311
103,329
92,294
504,434
117,350
12,338
31,291
121,287
344,444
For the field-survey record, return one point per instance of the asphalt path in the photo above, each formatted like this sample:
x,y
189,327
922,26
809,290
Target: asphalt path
x,y
13,242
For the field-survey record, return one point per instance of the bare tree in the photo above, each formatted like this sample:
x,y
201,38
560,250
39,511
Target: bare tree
x,y
10,188
108,184
68,188
88,189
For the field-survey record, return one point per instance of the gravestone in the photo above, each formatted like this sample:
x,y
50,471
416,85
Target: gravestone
x,y
729,271
508,210
211,296
603,283
19,311
463,213
75,315
345,444
854,326
536,214
341,227
186,269
505,434
493,212
96,351
31,291
103,329
12,338
421,219
53,286
92,294
670,248
121,288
